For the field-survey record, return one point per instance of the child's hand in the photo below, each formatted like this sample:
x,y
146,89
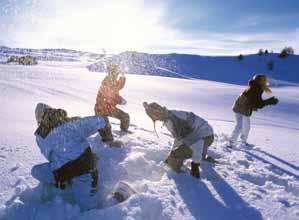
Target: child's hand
x,y
123,101
273,101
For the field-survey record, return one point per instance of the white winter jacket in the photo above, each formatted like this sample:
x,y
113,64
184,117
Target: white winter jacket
x,y
186,127
68,141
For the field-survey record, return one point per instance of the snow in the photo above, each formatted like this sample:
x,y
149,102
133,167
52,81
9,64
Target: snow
x,y
251,182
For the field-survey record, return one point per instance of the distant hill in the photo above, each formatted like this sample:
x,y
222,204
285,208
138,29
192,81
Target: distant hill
x,y
50,54
227,69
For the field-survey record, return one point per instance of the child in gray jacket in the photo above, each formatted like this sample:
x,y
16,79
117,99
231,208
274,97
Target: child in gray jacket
x,y
192,136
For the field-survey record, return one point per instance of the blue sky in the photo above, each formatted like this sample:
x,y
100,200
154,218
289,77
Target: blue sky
x,y
213,27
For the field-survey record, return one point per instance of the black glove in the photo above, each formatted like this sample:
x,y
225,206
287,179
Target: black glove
x,y
272,101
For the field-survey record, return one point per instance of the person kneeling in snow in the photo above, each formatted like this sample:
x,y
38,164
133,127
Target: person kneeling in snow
x,y
107,99
63,142
250,100
192,136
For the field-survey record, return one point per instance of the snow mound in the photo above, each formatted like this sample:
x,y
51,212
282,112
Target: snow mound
x,y
243,177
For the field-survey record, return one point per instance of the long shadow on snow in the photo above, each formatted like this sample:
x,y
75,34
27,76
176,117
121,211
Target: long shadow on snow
x,y
202,203
280,160
282,170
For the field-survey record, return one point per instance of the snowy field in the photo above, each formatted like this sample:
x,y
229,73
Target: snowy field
x,y
260,182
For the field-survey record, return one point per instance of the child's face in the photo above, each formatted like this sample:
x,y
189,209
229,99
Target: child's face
x,y
156,113
264,81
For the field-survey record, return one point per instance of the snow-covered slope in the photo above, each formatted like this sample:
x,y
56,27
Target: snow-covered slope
x,y
50,54
217,68
251,183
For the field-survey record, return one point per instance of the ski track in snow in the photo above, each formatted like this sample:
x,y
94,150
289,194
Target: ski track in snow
x,y
249,183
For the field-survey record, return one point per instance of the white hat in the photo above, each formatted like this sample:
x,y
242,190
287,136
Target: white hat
x,y
40,110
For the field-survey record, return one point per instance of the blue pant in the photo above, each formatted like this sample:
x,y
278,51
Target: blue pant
x,y
81,186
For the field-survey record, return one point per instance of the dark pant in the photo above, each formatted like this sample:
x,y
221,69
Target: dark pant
x,y
106,132
180,153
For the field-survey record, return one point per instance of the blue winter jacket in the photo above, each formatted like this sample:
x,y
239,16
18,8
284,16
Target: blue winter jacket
x,y
69,140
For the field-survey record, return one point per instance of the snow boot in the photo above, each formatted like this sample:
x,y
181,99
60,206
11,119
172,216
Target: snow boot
x,y
195,170
210,159
174,163
231,144
246,144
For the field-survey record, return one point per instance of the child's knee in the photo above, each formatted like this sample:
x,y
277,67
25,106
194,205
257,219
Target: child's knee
x,y
36,172
174,163
42,173
125,118
239,125
125,121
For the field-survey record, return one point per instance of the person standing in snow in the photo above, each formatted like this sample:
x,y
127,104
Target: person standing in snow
x,y
108,98
192,136
248,101
71,163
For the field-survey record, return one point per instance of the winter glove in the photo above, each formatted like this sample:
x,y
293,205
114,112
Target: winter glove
x,y
272,101
123,101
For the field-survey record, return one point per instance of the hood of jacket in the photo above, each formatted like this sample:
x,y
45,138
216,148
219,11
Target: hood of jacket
x,y
51,119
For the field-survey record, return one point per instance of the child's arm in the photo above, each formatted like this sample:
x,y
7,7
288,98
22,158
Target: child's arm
x,y
258,102
81,128
88,125
271,101
121,82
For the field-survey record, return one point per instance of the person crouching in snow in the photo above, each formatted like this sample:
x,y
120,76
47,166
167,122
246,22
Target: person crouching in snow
x,y
248,101
71,163
108,98
192,136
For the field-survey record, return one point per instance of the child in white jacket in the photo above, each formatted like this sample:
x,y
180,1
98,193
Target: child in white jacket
x,y
63,142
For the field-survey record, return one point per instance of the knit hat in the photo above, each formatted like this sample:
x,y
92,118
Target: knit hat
x,y
258,77
40,109
154,111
